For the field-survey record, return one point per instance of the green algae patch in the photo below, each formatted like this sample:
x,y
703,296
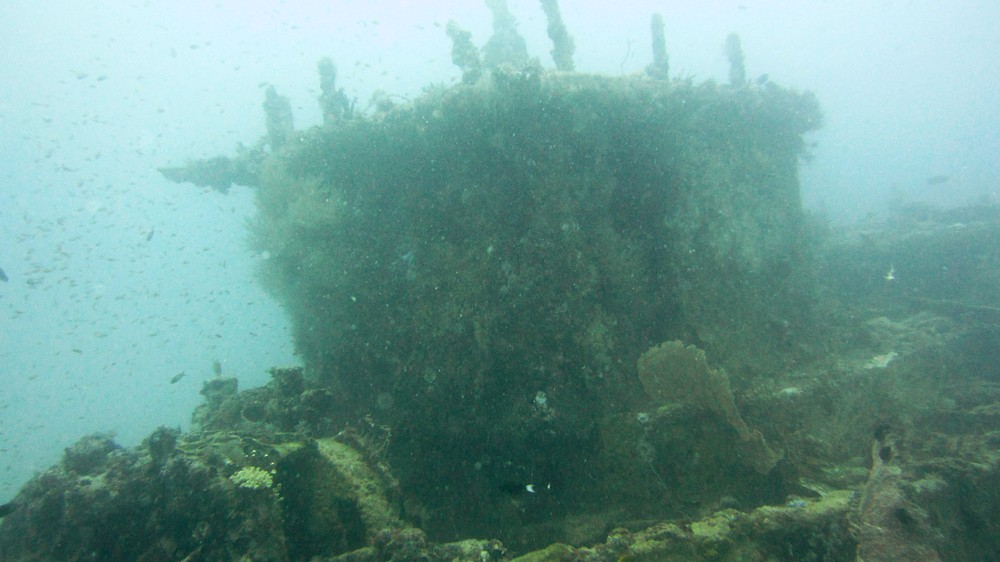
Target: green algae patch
x,y
713,529
803,514
367,488
553,553
333,500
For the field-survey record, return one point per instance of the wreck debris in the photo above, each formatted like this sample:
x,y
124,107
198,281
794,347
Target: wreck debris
x,y
332,100
506,46
278,114
887,526
660,67
671,372
217,173
473,277
464,54
536,211
812,530
222,495
562,41
734,52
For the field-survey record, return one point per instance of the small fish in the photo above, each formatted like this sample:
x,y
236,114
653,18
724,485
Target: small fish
x,y
514,488
149,236
176,378
217,368
938,179
3,276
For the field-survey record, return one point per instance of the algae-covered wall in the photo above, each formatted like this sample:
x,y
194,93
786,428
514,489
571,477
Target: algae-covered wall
x,y
480,269
537,212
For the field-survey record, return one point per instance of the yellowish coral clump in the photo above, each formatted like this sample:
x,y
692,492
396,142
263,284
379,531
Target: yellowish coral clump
x,y
253,478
